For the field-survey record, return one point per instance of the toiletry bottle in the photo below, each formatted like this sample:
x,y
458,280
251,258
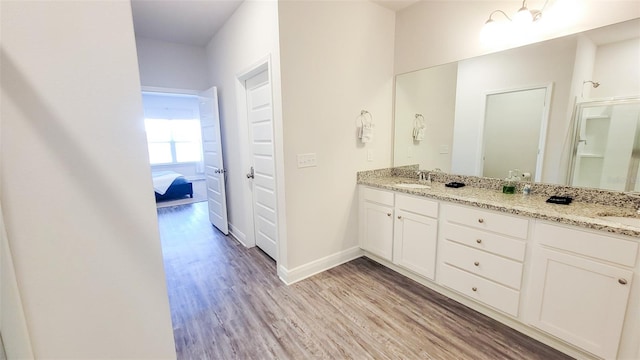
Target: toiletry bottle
x,y
509,186
526,189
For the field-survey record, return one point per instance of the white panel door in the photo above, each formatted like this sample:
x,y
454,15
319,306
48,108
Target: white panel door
x,y
513,120
262,173
377,229
415,243
579,300
213,165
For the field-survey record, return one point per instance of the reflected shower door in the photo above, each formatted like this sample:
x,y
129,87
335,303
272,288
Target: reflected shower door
x,y
606,151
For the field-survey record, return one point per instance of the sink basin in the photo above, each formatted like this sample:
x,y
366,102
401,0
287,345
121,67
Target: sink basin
x,y
630,221
413,186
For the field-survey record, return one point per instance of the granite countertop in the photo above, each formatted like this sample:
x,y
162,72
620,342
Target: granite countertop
x,y
580,214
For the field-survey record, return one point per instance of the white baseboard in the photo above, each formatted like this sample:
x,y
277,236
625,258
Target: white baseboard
x,y
235,233
317,266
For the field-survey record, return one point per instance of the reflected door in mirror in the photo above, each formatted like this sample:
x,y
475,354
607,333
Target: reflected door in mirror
x,y
514,122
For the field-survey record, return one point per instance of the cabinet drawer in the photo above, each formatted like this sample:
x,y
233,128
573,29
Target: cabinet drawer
x,y
597,246
377,196
417,206
493,243
486,220
490,293
492,267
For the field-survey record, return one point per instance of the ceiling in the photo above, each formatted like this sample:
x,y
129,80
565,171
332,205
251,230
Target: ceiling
x,y
194,22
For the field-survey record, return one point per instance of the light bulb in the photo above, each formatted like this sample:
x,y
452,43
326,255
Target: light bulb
x,y
523,16
489,31
493,34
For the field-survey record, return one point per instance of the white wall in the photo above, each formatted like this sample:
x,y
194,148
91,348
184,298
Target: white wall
x,y
432,93
421,28
80,218
170,65
617,69
249,36
539,64
337,59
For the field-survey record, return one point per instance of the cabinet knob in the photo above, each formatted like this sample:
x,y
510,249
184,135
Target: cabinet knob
x,y
388,214
481,220
399,217
474,288
479,241
622,281
476,263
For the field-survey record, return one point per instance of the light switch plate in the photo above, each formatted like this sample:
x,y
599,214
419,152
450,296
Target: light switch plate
x,y
307,160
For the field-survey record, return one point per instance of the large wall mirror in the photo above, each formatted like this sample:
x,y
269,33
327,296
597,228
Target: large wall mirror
x,y
556,109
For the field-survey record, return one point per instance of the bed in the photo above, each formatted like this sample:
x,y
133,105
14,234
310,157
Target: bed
x,y
170,185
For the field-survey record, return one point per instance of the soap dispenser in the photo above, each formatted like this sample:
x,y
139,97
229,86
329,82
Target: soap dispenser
x,y
509,186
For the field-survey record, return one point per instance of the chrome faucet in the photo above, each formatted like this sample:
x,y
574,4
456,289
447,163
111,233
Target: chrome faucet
x,y
423,177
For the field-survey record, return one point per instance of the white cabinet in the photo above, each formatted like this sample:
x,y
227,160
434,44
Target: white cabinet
x,y
376,222
576,293
481,255
399,228
415,235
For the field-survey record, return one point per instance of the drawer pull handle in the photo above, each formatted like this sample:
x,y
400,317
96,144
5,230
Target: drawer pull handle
x,y
476,263
474,288
622,281
399,217
388,214
481,220
479,241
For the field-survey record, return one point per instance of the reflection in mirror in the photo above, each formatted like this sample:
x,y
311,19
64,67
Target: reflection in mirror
x,y
514,133
606,151
453,100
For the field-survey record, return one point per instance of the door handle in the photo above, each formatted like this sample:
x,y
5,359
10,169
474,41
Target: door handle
x,y
220,171
251,174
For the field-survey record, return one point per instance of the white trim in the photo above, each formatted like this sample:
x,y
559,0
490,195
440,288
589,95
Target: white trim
x,y
156,89
264,64
317,266
238,235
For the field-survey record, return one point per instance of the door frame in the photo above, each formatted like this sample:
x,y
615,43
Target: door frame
x,y
542,140
249,240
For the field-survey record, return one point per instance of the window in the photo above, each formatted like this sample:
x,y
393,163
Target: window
x,y
173,141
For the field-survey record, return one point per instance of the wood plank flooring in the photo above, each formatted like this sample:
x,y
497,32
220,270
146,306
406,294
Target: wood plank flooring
x,y
227,303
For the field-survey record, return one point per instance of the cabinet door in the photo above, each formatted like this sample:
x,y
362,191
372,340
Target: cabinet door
x,y
377,229
579,300
415,243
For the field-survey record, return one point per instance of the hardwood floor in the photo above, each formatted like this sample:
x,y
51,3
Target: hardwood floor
x,y
228,303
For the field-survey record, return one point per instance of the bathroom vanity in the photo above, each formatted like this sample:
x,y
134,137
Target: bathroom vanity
x,y
561,274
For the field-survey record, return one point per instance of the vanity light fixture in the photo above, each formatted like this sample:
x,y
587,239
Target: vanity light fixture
x,y
523,16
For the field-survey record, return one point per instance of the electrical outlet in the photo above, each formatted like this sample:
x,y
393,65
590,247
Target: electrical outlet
x,y
307,160
370,155
444,149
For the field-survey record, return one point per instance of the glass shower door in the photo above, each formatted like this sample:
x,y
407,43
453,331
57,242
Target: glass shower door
x,y
606,151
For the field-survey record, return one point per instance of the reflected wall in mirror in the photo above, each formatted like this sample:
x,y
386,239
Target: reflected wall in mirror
x,y
453,100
